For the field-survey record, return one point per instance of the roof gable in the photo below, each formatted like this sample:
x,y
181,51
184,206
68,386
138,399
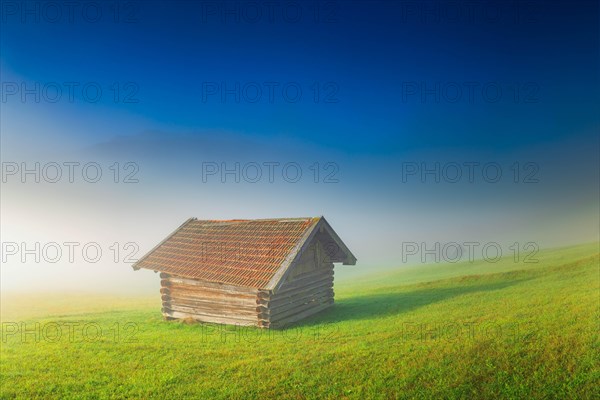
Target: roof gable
x,y
252,253
334,247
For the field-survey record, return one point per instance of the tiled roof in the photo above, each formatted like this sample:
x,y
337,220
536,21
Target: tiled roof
x,y
236,252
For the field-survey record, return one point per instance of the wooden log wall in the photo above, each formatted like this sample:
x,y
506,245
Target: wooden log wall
x,y
308,289
207,302
307,294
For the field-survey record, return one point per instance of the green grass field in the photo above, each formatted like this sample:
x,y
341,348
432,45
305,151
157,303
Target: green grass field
x,y
471,330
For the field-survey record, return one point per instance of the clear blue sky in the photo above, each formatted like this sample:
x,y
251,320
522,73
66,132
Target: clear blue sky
x,y
367,49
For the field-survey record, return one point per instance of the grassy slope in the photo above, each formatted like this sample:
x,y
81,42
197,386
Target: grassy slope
x,y
489,330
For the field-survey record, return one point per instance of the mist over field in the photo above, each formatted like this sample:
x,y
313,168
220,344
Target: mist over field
x,y
382,204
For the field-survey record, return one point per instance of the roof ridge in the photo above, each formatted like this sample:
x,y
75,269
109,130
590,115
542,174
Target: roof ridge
x,y
294,219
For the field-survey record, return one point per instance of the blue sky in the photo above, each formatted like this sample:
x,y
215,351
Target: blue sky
x,y
548,52
382,85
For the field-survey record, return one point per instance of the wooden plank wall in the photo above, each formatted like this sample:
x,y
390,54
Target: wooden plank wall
x,y
308,289
207,302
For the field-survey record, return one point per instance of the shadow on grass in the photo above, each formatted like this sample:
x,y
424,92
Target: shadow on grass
x,y
380,305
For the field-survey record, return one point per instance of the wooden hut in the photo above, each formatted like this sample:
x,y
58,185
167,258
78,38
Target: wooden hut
x,y
268,272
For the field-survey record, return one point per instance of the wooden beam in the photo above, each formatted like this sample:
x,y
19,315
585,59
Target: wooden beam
x,y
292,293
305,278
206,293
171,280
172,314
274,304
210,304
192,311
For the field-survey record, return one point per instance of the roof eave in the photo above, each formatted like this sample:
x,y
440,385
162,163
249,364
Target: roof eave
x,y
350,258
136,266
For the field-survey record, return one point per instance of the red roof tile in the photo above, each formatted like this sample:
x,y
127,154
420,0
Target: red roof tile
x,y
236,252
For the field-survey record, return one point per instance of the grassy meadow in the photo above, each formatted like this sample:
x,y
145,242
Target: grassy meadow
x,y
469,330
